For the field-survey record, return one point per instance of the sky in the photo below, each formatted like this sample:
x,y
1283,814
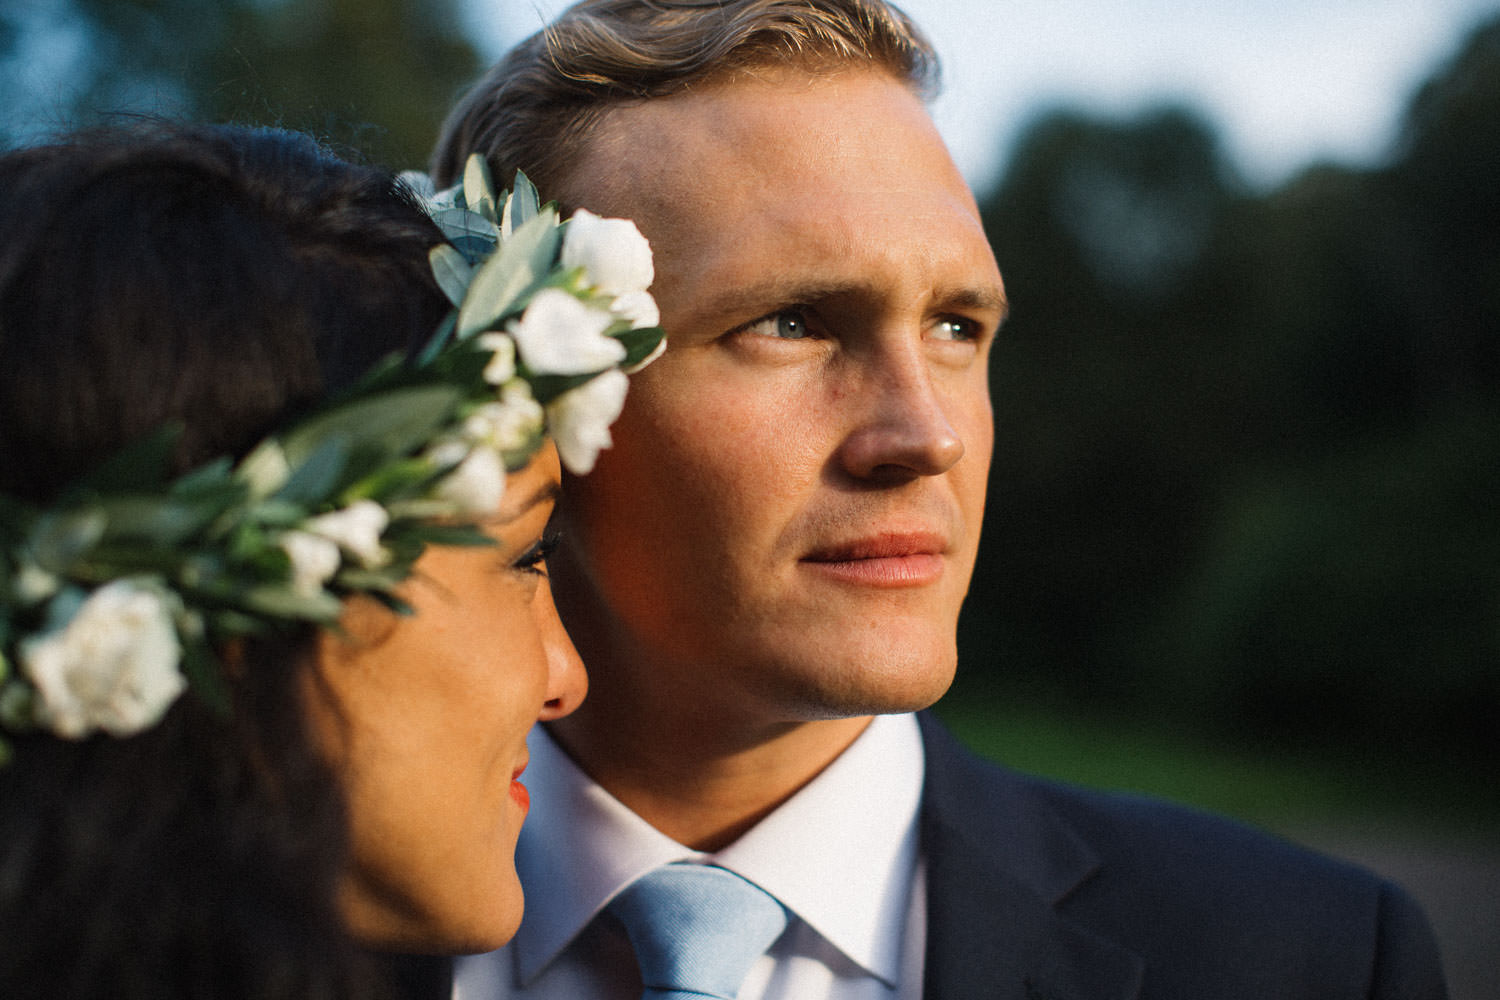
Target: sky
x,y
1286,82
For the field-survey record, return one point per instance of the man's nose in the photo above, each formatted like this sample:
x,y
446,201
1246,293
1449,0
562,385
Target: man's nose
x,y
903,429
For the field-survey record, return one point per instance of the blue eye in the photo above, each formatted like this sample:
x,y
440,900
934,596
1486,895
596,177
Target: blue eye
x,y
788,324
953,328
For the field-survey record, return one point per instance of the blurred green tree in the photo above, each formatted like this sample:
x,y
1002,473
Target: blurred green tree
x,y
1108,383
1247,470
373,77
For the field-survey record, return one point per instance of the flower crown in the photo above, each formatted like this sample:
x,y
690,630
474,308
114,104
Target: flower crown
x,y
113,600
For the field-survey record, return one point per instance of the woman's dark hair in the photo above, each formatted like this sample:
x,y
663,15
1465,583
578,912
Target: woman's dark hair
x,y
221,279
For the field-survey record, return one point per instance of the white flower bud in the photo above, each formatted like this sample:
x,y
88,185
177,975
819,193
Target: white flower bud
x,y
32,584
502,366
477,485
509,423
356,529
579,419
314,559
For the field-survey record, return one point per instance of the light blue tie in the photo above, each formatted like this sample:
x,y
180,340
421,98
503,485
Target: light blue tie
x,y
696,930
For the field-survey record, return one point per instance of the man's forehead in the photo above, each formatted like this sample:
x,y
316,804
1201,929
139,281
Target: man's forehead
x,y
731,136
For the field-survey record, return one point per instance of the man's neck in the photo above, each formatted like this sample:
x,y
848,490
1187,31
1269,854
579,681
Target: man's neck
x,y
702,781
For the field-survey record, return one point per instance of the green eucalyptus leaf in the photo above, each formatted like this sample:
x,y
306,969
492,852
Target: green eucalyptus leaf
x,y
546,388
395,481
523,262
472,235
17,706
316,478
394,604
279,513
60,540
382,580
163,522
474,247
479,188
64,606
210,478
451,270
524,204
142,465
639,343
225,622
398,421
282,601
439,340
129,558
454,534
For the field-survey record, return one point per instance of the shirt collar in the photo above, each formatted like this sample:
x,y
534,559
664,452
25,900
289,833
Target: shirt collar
x,y
839,854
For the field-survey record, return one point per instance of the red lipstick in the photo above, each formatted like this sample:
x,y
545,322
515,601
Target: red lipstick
x,y
518,793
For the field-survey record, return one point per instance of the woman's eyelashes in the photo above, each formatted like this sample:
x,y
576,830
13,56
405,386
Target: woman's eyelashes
x,y
534,559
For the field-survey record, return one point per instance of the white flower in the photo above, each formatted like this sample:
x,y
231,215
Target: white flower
x,y
614,255
637,307
114,666
475,487
579,419
355,529
502,366
559,335
315,560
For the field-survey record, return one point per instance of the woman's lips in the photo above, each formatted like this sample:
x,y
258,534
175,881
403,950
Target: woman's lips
x,y
518,793
885,560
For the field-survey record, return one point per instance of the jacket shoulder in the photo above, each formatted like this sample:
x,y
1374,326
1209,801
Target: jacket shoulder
x,y
1201,897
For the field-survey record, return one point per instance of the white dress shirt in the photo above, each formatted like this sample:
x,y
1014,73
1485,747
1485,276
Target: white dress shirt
x,y
841,855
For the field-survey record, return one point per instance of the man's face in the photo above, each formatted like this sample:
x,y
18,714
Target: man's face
x,y
789,516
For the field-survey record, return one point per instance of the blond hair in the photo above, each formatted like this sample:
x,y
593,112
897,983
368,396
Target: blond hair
x,y
537,107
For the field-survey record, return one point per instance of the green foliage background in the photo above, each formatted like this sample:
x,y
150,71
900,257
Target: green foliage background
x,y
1247,469
372,77
1247,463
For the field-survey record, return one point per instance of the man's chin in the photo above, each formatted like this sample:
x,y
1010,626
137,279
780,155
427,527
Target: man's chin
x,y
860,690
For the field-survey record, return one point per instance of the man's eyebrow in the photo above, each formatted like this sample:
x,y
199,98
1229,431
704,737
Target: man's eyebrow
x,y
979,299
762,297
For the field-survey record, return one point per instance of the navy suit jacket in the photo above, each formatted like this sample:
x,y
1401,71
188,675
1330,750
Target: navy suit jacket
x,y
1041,891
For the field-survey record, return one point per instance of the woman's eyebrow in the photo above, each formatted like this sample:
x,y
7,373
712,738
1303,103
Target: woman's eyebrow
x,y
514,510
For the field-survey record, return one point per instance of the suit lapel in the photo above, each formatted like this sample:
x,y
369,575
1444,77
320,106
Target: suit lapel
x,y
999,862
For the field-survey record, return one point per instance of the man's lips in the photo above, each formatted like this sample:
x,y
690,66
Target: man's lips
x,y
888,559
